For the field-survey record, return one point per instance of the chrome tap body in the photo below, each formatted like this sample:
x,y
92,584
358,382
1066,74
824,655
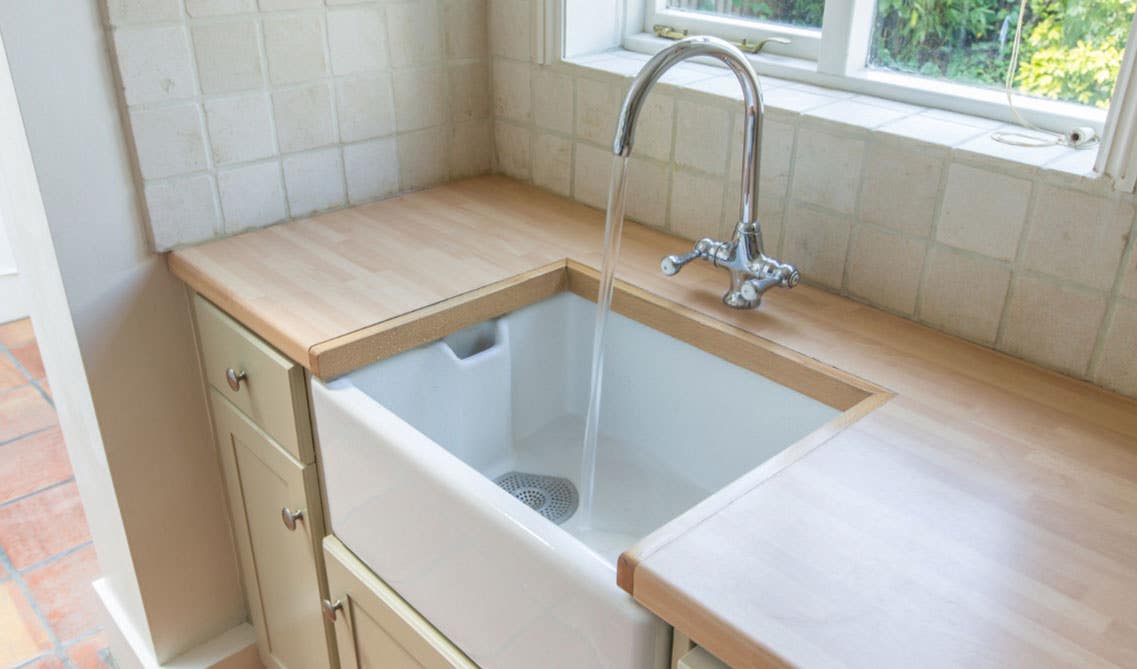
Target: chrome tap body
x,y
752,272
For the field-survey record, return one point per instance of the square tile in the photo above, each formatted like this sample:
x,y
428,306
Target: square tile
x,y
357,39
857,113
252,196
182,211
169,140
511,143
27,354
817,243
304,117
1053,324
1128,286
10,375
63,591
89,653
654,128
421,98
827,169
280,5
471,148
366,107
17,332
46,662
240,128
885,268
155,64
423,158
464,26
23,410
901,188
963,294
552,100
228,56
511,89
930,129
295,48
1076,236
696,205
314,181
43,525
469,91
983,211
200,8
552,163
372,170
414,33
123,12
510,28
24,635
592,170
1117,368
647,190
597,106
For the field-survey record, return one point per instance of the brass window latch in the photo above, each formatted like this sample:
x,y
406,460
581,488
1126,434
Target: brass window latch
x,y
668,32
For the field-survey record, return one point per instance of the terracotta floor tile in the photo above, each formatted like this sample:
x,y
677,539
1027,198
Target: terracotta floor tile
x,y
44,524
16,332
28,355
23,410
62,590
24,636
51,662
10,376
46,386
87,654
31,463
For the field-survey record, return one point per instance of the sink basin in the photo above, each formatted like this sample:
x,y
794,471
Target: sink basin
x,y
411,446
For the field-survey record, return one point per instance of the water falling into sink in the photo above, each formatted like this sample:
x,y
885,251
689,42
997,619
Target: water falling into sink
x,y
613,228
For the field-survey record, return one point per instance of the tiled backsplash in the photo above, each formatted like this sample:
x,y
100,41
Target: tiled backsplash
x,y
249,112
918,212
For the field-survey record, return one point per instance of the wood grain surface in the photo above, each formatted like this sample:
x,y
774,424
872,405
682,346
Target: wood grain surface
x,y
984,516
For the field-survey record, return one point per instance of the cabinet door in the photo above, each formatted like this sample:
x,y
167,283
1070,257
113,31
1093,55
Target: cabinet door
x,y
375,628
280,560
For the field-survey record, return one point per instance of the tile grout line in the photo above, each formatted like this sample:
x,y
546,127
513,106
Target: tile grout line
x,y
57,557
57,484
27,375
17,578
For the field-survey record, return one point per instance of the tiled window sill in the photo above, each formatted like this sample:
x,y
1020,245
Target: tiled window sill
x,y
966,137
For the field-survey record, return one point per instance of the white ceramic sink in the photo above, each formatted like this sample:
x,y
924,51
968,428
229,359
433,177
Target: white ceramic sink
x,y
410,446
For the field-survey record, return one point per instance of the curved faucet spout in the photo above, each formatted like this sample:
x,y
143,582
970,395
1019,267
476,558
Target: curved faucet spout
x,y
753,109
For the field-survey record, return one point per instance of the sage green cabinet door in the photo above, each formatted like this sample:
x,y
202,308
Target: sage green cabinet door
x,y
280,560
375,628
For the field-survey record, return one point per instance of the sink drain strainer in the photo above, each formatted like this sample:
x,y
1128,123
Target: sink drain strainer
x,y
551,496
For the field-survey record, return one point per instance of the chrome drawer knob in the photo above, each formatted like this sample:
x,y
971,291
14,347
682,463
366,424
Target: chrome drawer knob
x,y
330,608
235,378
290,517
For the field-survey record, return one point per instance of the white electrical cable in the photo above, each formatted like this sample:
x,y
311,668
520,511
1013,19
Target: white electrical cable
x,y
1078,138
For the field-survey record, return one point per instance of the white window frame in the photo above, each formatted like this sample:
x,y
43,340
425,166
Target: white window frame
x,y
835,57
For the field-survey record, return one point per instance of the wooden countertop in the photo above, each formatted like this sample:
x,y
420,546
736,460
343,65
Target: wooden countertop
x,y
984,516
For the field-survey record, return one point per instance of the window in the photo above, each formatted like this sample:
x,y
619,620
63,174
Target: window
x,y
952,54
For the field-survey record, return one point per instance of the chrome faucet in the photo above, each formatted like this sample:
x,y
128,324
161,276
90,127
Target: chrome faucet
x,y
752,272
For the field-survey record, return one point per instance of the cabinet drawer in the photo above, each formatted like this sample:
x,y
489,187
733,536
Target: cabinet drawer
x,y
375,628
271,391
275,506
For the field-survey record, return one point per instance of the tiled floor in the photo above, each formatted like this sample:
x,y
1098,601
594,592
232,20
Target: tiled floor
x,y
47,563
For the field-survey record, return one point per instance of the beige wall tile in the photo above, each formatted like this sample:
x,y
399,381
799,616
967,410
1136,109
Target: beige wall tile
x,y
294,45
653,128
169,140
471,148
511,89
701,136
592,169
816,242
304,117
1076,236
1129,271
182,211
1052,324
252,196
200,8
228,56
371,169
240,128
357,40
423,158
827,169
647,190
365,106
122,12
885,268
156,63
901,188
983,211
552,163
464,28
414,33
597,107
314,181
469,91
1117,368
512,144
963,295
421,98
777,156
510,28
552,100
696,205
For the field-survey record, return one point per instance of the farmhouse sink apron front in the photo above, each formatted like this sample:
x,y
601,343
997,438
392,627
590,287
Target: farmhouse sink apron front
x,y
412,445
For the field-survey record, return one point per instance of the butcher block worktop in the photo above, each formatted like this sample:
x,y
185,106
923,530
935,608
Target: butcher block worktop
x,y
979,512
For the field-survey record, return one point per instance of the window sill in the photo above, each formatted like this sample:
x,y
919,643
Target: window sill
x,y
965,136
